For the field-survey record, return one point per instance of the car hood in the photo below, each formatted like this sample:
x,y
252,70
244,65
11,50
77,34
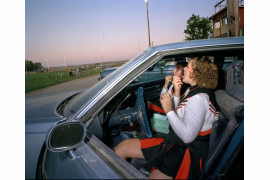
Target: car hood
x,y
40,110
40,115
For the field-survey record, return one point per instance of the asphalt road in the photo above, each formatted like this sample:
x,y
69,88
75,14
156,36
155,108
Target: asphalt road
x,y
70,85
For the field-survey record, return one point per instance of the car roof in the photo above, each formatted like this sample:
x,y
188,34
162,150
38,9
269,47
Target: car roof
x,y
198,43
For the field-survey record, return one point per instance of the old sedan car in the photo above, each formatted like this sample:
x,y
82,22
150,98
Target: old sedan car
x,y
71,135
106,72
158,71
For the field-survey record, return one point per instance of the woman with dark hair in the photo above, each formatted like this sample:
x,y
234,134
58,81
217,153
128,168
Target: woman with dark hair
x,y
177,72
182,153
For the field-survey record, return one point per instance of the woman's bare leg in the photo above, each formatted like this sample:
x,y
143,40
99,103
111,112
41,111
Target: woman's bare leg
x,y
156,174
130,148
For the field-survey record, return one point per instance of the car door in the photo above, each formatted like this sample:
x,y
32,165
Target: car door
x,y
90,160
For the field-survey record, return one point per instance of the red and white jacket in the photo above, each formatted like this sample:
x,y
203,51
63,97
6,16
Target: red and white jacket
x,y
194,115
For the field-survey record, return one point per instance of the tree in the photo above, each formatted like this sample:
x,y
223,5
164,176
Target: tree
x,y
198,28
37,66
30,66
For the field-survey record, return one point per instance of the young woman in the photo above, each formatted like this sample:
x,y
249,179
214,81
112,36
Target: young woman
x,y
177,72
182,153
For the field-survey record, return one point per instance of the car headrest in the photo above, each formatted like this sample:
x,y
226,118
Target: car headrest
x,y
229,106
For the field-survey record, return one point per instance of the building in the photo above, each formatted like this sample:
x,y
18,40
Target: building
x,y
219,19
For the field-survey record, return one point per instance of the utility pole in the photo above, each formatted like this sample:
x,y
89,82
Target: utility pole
x,y
233,18
65,64
146,2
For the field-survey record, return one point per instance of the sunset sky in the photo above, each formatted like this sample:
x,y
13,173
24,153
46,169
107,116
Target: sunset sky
x,y
87,31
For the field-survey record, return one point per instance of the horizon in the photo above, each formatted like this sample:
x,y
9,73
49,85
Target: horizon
x,y
89,63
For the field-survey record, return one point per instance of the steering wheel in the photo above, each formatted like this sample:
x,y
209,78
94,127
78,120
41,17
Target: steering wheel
x,y
129,115
141,115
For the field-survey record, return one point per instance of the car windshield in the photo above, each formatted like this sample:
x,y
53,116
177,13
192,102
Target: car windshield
x,y
88,94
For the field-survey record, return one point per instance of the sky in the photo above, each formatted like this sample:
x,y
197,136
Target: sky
x,y
75,32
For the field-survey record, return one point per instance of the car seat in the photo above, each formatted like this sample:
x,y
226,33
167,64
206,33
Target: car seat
x,y
223,131
228,132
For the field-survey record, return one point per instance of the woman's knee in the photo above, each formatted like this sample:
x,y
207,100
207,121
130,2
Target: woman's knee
x,y
130,148
121,147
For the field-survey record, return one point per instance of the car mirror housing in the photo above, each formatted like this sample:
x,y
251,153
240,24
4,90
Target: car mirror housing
x,y
65,136
161,64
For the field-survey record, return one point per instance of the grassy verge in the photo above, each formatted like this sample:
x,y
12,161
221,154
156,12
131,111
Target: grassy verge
x,y
41,80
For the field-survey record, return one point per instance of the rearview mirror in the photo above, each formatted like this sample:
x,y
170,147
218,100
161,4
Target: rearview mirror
x,y
65,136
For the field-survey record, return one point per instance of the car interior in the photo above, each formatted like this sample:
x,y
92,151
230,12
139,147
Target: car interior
x,y
127,116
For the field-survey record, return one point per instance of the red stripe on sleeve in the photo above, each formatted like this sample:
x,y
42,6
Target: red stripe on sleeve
x,y
204,133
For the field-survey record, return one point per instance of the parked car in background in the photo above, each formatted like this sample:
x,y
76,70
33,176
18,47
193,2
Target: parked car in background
x,y
71,134
106,72
158,71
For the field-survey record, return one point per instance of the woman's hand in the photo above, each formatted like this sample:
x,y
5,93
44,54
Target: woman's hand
x,y
168,79
166,102
177,84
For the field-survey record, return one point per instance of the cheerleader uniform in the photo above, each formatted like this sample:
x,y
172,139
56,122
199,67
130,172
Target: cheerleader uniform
x,y
183,152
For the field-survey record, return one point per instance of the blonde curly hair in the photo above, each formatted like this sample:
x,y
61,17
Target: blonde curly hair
x,y
205,72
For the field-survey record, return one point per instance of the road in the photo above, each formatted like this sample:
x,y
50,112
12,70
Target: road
x,y
70,85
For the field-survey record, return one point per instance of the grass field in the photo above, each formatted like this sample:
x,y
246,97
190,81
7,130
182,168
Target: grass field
x,y
34,81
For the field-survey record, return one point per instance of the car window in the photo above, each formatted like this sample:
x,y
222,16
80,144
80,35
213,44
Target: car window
x,y
160,70
234,70
88,94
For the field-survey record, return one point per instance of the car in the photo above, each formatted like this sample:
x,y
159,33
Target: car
x,y
71,134
106,72
158,71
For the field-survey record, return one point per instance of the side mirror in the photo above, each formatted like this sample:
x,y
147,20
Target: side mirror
x,y
65,136
161,64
